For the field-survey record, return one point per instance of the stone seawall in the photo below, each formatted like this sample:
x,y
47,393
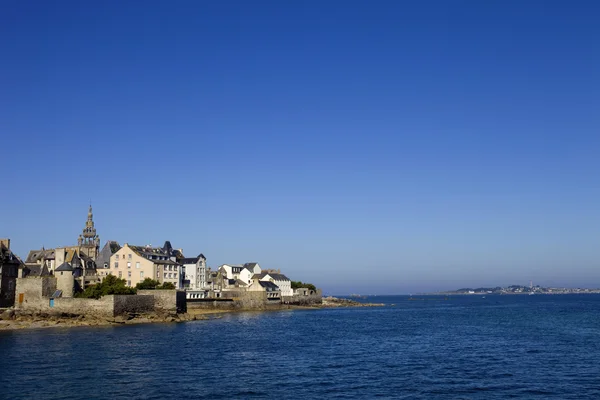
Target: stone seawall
x,y
29,292
102,307
308,300
137,304
34,296
169,301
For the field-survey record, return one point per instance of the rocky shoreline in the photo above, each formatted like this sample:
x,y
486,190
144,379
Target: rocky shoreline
x,y
16,320
337,302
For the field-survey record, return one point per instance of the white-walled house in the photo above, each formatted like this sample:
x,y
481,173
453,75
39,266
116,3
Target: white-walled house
x,y
195,272
273,292
230,271
253,267
237,271
282,281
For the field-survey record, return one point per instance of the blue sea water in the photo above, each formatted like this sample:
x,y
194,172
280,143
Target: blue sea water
x,y
431,347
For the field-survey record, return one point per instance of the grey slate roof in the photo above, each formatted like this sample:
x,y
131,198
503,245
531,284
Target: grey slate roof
x,y
277,277
269,286
35,270
166,262
114,246
193,260
36,255
64,267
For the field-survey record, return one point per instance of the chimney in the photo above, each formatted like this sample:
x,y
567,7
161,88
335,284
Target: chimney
x,y
6,243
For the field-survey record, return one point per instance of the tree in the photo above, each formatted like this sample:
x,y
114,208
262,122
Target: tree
x,y
147,284
166,286
151,284
110,285
298,285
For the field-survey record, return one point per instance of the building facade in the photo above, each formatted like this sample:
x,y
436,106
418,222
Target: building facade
x,y
9,271
194,270
103,259
282,281
136,263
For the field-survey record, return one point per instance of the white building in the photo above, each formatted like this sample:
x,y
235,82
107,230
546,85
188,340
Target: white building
x,y
241,272
282,281
194,270
253,267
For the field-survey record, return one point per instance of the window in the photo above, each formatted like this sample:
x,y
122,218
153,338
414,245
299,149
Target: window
x,y
120,274
116,264
165,274
116,256
128,264
105,265
128,283
129,257
129,274
142,274
137,264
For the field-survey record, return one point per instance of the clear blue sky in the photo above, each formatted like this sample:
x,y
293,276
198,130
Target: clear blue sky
x,y
365,146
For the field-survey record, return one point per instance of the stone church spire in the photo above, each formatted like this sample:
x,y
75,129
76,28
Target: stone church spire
x,y
89,232
89,240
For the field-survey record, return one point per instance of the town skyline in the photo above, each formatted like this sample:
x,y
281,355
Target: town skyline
x,y
91,236
384,148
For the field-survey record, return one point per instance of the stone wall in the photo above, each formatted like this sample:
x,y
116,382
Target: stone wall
x,y
170,301
33,293
304,300
103,307
236,300
36,293
136,304
218,304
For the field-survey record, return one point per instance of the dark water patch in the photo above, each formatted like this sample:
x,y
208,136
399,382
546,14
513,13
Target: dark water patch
x,y
528,347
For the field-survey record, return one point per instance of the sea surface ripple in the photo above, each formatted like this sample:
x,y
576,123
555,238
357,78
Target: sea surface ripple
x,y
429,347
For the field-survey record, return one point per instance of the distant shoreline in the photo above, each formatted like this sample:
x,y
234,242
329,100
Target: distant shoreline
x,y
29,321
503,294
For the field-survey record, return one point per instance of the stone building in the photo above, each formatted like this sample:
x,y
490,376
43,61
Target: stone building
x,y
195,274
103,259
271,291
88,245
136,263
89,241
9,270
275,276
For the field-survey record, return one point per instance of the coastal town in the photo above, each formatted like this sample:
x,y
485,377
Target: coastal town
x,y
520,289
87,279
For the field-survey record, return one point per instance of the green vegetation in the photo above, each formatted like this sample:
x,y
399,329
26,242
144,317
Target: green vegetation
x,y
298,285
151,284
147,284
110,285
166,286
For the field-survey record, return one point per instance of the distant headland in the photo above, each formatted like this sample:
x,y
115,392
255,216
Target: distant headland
x,y
519,289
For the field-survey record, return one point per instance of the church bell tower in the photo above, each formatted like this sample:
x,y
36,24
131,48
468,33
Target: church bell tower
x,y
89,241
